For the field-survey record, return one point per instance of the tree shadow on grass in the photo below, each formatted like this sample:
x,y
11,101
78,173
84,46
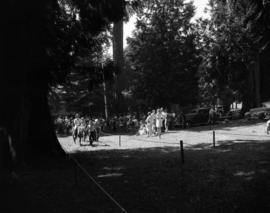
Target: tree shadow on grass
x,y
232,177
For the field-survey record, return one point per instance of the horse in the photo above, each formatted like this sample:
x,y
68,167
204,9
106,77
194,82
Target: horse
x,y
79,132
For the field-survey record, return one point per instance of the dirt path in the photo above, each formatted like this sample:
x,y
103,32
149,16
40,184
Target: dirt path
x,y
198,135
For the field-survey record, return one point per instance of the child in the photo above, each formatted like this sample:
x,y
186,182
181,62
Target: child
x,y
165,121
153,119
149,124
142,130
159,122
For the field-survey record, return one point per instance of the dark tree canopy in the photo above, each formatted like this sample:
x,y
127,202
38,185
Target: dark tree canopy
x,y
82,91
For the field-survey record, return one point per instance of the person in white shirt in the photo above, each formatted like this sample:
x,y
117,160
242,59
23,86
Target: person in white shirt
x,y
164,116
149,124
76,124
153,120
159,120
268,127
142,130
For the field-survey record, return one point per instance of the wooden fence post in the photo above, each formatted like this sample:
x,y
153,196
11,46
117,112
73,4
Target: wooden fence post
x,y
214,138
182,151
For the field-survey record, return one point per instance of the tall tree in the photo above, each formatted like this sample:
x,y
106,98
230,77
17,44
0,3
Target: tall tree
x,y
258,24
229,55
132,6
162,54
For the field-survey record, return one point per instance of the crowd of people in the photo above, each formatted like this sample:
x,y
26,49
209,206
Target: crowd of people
x,y
150,124
123,123
86,127
155,123
79,127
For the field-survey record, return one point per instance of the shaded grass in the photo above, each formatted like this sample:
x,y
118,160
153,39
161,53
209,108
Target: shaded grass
x,y
233,177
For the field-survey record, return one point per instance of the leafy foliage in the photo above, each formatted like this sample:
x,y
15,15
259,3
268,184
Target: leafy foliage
x,y
85,32
82,90
162,56
228,52
80,30
258,22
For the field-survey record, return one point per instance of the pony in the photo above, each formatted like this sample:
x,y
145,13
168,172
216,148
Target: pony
x,y
79,132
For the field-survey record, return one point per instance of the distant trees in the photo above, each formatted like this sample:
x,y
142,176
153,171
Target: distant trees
x,y
231,54
171,60
83,88
161,57
258,23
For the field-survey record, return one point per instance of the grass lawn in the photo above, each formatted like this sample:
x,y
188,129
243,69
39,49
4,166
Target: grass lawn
x,y
232,177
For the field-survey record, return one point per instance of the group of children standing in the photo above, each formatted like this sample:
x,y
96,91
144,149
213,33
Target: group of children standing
x,y
155,121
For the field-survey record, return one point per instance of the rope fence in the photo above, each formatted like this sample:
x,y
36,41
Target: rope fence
x,y
212,132
121,139
77,164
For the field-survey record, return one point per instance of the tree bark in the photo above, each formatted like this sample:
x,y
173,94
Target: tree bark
x,y
257,80
118,55
24,80
105,97
42,140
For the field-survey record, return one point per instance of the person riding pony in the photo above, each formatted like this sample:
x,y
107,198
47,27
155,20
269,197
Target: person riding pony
x,y
76,125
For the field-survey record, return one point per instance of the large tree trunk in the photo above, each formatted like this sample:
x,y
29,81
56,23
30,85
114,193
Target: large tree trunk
x,y
257,79
24,80
106,112
42,140
248,95
118,57
118,48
